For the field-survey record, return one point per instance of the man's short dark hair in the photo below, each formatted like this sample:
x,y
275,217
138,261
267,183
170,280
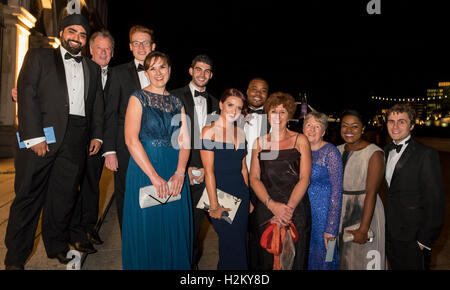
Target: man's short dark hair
x,y
202,58
402,108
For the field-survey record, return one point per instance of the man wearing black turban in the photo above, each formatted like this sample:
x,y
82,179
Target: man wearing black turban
x,y
60,108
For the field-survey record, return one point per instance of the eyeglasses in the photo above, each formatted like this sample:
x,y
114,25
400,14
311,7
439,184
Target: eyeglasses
x,y
139,43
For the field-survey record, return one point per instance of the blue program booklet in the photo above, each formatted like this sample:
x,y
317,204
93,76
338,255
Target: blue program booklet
x,y
49,136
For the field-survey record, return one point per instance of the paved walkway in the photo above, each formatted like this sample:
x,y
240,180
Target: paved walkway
x,y
108,256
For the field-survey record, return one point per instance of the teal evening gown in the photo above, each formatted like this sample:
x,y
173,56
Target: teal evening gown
x,y
158,237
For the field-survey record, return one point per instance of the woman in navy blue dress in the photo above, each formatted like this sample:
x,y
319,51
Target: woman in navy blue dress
x,y
223,156
157,237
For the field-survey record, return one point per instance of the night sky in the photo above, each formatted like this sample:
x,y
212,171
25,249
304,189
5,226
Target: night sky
x,y
333,50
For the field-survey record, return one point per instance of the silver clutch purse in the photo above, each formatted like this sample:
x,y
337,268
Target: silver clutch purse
x,y
148,197
347,237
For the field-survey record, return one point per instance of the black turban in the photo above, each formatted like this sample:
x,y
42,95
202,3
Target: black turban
x,y
75,19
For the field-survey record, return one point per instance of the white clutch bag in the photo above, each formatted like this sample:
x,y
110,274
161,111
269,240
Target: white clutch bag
x,y
226,200
347,237
148,197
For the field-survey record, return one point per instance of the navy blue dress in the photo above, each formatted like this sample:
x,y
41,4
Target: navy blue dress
x,y
228,173
158,237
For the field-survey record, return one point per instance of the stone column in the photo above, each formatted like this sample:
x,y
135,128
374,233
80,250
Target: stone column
x,y
17,24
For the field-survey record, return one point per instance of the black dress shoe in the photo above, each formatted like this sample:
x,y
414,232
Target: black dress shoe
x,y
14,267
87,248
61,256
94,238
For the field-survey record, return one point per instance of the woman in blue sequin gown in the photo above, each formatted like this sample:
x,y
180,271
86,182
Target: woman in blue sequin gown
x,y
223,158
158,237
324,191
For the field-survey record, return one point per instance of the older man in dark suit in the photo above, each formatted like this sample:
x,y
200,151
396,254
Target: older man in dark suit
x,y
84,232
61,90
415,194
199,106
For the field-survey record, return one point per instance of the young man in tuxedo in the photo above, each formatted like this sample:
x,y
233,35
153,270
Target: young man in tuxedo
x,y
415,194
199,106
125,79
255,126
61,89
85,216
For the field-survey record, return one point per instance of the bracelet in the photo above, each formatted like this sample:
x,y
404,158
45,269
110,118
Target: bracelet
x,y
214,209
266,203
180,174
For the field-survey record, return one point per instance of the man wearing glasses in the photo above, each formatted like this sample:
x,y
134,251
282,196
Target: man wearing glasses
x,y
125,79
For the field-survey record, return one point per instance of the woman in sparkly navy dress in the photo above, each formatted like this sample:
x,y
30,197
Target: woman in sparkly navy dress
x,y
279,174
324,191
157,237
223,157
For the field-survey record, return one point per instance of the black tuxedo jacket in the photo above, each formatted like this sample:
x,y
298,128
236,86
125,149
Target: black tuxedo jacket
x,y
212,104
124,81
415,199
44,98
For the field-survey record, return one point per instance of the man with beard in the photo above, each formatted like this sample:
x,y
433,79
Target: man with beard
x,y
198,104
256,125
125,79
60,106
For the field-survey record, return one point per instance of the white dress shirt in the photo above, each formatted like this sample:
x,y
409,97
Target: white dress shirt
x,y
393,159
75,86
252,129
143,80
104,76
200,106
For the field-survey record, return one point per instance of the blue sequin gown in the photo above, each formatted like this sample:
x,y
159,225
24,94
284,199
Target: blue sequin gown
x,y
158,237
325,196
228,173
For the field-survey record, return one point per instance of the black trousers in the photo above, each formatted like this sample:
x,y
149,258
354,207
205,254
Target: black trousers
x,y
50,183
85,215
120,176
198,217
406,255
253,245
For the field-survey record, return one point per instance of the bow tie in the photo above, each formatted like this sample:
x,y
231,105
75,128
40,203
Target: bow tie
x,y
397,147
140,68
76,58
197,93
258,111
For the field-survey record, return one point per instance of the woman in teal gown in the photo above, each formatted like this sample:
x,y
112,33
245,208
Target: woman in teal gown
x,y
157,237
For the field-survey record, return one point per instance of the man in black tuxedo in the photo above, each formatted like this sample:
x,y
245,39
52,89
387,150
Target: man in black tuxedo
x,y
255,126
61,89
415,194
85,216
200,108
125,79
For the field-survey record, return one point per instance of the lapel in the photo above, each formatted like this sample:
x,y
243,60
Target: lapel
x,y
409,151
208,104
86,74
61,73
189,106
134,75
108,80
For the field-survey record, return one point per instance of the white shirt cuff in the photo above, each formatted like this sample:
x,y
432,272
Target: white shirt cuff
x,y
428,248
31,142
108,153
99,140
